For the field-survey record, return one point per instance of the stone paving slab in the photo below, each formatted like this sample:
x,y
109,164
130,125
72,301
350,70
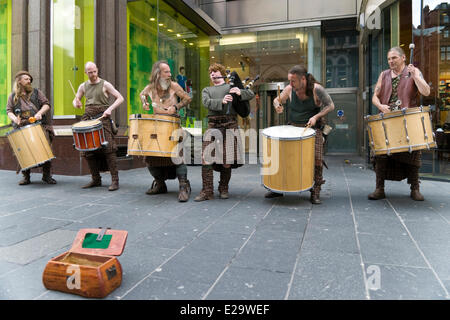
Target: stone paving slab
x,y
246,247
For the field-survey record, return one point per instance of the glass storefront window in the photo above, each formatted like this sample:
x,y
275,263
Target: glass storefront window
x,y
157,32
432,56
73,45
5,58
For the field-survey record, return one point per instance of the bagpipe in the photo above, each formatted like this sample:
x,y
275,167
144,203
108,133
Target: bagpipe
x,y
242,107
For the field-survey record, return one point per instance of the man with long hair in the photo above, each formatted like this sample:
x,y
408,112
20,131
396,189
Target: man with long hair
x,y
164,95
398,87
222,119
26,102
97,92
309,103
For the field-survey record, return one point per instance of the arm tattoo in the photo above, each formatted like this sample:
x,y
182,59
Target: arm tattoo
x,y
323,96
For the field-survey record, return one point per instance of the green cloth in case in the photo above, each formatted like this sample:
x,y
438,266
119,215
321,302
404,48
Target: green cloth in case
x,y
90,241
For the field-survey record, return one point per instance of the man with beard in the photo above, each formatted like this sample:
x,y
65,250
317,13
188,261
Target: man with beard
x,y
306,97
26,102
97,92
397,87
164,94
217,99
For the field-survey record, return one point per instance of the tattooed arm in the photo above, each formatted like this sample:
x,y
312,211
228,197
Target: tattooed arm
x,y
284,96
420,82
322,99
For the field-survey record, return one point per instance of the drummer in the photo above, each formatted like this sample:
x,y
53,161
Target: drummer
x,y
25,103
306,98
97,92
397,88
164,94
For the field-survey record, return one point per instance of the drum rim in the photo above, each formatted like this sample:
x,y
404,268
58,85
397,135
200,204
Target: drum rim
x,y
303,137
162,120
38,164
287,192
96,127
21,128
398,113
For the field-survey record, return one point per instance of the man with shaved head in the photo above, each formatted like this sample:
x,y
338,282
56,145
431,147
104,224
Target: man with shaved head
x,y
97,92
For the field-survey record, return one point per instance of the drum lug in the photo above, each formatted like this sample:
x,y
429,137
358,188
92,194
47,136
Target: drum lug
x,y
105,144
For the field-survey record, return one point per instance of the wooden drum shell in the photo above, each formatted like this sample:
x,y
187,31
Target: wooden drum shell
x,y
30,146
401,131
294,158
154,135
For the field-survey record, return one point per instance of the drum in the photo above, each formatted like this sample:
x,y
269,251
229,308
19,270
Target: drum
x,y
30,146
288,158
154,135
409,130
88,135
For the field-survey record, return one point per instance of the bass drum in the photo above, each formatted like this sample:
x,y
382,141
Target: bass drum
x,y
288,159
30,146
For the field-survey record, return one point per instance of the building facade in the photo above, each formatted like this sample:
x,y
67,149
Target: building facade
x,y
342,43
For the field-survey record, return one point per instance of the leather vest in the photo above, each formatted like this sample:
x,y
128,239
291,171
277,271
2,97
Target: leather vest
x,y
406,91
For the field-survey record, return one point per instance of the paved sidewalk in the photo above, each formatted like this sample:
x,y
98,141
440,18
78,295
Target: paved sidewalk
x,y
246,247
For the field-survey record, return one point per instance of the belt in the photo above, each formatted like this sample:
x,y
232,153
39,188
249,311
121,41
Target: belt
x,y
221,119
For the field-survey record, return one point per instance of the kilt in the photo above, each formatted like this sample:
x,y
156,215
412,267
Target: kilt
x,y
397,166
230,146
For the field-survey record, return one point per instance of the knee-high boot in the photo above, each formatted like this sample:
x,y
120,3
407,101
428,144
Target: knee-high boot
x,y
225,176
207,192
380,172
95,173
112,166
318,181
413,180
26,178
185,188
46,173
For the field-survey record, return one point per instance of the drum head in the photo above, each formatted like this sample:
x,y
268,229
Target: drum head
x,y
288,132
87,124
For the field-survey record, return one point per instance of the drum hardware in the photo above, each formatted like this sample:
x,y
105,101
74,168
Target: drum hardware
x,y
399,131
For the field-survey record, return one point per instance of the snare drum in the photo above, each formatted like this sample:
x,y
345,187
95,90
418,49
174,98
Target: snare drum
x,y
400,131
154,135
288,154
30,146
88,135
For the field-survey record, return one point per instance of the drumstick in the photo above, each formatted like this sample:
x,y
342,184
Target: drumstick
x,y
74,93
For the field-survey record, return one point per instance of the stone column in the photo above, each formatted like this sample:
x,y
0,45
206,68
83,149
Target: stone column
x,y
111,49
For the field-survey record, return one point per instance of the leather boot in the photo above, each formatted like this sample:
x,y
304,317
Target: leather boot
x,y
415,193
207,192
377,194
225,176
413,179
95,173
158,187
26,178
318,181
112,166
379,189
46,173
185,189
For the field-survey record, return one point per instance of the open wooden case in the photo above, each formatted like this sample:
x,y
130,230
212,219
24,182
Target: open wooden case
x,y
90,268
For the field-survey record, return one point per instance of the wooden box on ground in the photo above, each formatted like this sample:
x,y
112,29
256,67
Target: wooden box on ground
x,y
87,271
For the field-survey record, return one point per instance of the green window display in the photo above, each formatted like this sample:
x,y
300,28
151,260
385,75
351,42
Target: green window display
x,y
73,46
5,58
157,32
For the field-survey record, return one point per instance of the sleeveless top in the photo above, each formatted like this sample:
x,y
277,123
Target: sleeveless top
x,y
94,94
300,111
